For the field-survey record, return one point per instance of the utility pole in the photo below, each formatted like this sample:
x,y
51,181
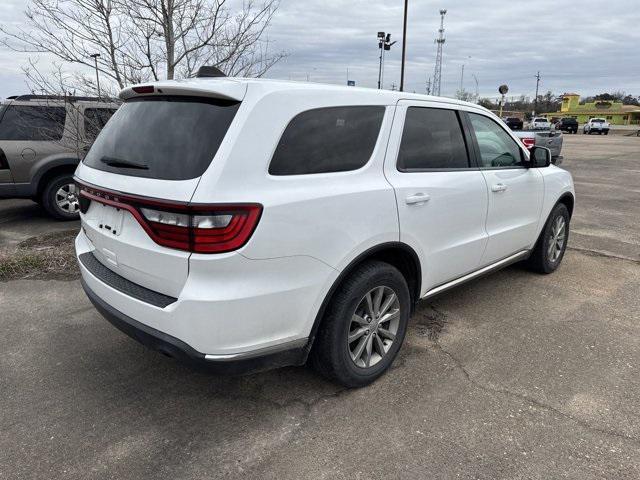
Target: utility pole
x,y
95,57
477,90
461,77
429,86
404,44
437,73
535,102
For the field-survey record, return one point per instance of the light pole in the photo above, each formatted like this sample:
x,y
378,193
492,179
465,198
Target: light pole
x,y
95,57
404,44
384,43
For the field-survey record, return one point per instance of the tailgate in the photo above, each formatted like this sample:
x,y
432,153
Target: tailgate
x,y
153,151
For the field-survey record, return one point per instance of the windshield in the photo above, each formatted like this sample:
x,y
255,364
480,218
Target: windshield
x,y
597,120
540,120
168,138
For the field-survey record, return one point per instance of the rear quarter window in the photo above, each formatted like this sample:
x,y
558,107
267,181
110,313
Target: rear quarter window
x,y
33,123
333,139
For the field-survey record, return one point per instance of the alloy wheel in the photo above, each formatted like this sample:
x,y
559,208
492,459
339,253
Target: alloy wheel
x,y
374,326
557,239
67,198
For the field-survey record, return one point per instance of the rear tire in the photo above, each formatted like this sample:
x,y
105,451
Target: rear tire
x,y
59,198
552,243
356,329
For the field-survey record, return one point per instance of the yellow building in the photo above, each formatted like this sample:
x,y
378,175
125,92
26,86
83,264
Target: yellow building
x,y
615,112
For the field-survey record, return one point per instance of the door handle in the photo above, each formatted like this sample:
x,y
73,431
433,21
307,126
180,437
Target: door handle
x,y
498,187
417,199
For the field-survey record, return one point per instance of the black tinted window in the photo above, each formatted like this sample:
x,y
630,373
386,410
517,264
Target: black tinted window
x,y
169,138
35,123
432,138
335,139
497,148
94,120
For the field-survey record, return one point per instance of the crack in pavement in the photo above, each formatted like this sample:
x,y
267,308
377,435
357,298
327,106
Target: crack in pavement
x,y
533,401
598,253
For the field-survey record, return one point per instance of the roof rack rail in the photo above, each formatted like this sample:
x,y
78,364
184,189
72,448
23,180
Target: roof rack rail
x,y
70,98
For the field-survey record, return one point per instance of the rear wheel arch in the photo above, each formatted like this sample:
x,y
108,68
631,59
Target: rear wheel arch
x,y
398,254
49,172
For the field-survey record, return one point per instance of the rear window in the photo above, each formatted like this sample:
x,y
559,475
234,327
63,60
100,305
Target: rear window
x,y
32,123
334,139
540,120
168,138
598,120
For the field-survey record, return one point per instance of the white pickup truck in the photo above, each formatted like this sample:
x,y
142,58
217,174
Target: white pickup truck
x,y
599,125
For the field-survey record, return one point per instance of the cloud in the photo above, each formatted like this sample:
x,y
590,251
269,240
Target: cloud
x,y
588,47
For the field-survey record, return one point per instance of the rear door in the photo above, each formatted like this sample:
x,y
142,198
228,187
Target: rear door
x,y
441,198
152,147
515,192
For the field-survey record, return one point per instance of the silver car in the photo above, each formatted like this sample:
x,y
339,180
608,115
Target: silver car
x,y
42,139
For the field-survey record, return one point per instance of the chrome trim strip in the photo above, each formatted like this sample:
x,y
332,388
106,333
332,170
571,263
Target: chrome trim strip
x,y
257,353
470,276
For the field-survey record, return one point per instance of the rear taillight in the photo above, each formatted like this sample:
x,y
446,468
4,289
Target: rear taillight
x,y
194,228
528,142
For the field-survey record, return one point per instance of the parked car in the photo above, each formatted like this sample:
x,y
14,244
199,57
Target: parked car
x,y
246,224
514,123
596,125
551,139
567,124
540,123
42,139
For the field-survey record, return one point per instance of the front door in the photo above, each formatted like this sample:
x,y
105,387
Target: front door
x,y
441,198
515,192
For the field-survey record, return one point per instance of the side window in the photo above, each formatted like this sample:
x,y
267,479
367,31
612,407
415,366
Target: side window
x,y
37,123
94,120
334,139
497,148
432,138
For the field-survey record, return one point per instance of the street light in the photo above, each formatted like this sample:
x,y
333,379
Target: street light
x,y
384,43
95,57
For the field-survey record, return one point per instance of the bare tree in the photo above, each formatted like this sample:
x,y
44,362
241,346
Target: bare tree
x,y
140,40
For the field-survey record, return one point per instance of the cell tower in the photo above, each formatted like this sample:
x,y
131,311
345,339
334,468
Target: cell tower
x,y
437,73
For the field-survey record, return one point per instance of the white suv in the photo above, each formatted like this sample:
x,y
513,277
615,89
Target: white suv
x,y
245,224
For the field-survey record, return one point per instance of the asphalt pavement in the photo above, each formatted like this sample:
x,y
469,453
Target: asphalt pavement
x,y
514,376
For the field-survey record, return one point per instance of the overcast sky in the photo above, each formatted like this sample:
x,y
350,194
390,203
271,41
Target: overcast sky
x,y
583,46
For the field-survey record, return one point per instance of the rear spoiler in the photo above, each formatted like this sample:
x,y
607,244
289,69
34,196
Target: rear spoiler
x,y
223,88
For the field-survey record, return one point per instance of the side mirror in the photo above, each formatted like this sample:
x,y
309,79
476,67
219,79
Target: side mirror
x,y
539,157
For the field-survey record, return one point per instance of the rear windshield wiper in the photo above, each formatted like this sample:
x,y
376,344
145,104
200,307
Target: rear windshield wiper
x,y
120,163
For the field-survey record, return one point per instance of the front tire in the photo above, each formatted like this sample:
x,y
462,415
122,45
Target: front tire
x,y
364,325
552,243
60,198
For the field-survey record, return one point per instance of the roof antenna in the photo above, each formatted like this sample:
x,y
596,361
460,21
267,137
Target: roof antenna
x,y
209,71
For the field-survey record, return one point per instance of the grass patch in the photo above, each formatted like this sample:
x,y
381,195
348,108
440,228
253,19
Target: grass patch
x,y
50,256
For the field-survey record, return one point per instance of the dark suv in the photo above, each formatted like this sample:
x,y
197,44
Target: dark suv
x,y
42,139
514,123
567,124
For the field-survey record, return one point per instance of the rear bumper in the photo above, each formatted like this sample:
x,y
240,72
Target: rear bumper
x,y
292,353
232,314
